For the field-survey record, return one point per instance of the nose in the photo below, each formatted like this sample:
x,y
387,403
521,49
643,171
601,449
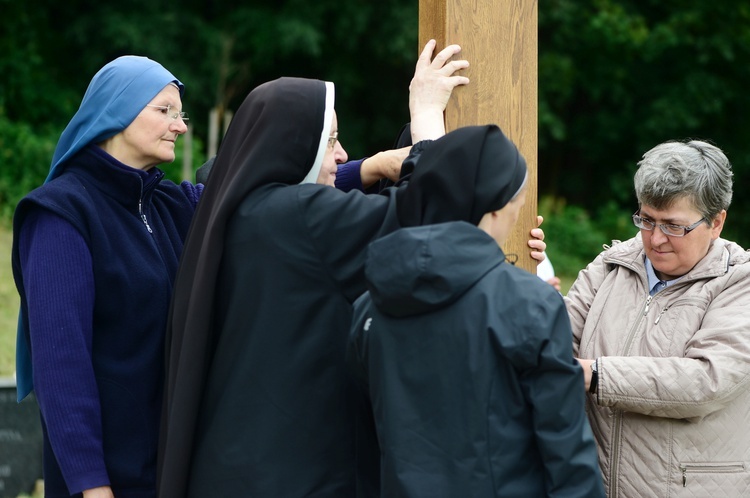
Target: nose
x,y
340,154
178,126
658,237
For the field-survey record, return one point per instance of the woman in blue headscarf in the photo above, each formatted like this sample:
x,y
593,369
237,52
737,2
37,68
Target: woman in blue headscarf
x,y
95,253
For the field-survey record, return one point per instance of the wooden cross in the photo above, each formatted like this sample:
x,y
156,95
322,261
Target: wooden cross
x,y
499,39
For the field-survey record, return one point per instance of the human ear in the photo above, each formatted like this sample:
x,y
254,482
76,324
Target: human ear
x,y
717,224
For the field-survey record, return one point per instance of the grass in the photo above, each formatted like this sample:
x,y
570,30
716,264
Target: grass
x,y
8,306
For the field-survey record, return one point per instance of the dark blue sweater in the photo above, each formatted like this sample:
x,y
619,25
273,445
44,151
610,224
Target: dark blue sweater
x,y
95,254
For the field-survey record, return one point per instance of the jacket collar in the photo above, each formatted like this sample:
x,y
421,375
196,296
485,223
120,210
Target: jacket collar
x,y
721,255
119,181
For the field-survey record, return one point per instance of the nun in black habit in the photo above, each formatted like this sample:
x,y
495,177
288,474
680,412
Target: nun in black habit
x,y
258,397
467,360
261,306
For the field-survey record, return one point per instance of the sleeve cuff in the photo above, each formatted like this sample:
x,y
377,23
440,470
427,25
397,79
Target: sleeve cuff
x,y
349,177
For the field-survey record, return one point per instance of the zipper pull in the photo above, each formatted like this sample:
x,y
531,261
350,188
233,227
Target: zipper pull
x,y
684,476
648,302
660,314
143,216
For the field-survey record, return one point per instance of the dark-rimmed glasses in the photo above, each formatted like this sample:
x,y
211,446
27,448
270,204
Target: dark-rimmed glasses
x,y
666,228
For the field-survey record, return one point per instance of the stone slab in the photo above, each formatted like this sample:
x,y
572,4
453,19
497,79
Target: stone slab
x,y
20,442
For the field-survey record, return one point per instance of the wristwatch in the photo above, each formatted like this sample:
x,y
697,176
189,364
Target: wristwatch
x,y
594,377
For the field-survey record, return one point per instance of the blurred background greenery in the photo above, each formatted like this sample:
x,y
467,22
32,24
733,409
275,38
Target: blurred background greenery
x,y
616,77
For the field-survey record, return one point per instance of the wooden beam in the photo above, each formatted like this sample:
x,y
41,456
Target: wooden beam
x,y
499,39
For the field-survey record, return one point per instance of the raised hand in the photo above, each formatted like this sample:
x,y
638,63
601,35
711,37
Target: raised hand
x,y
431,88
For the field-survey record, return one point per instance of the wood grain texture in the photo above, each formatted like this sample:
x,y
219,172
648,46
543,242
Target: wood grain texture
x,y
499,39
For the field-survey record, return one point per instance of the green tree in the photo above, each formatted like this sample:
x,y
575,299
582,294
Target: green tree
x,y
618,77
220,50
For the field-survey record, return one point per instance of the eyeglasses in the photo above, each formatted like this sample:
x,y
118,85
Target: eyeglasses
x,y
666,228
333,139
171,113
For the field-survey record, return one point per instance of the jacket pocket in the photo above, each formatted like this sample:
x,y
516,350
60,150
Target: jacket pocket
x,y
673,326
696,471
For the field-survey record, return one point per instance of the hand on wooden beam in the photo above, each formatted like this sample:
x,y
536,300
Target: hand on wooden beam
x,y
536,241
430,89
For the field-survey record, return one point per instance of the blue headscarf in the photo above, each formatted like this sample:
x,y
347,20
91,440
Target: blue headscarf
x,y
114,98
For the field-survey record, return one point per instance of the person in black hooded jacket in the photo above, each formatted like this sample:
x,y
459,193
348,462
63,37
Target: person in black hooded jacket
x,y
466,360
259,401
256,398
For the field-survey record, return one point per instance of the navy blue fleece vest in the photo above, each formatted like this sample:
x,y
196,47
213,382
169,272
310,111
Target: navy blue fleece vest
x,y
135,233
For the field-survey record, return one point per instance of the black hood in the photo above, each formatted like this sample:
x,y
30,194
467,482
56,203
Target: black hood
x,y
461,176
420,269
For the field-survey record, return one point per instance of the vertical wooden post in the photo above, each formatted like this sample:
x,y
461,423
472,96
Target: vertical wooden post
x,y
499,39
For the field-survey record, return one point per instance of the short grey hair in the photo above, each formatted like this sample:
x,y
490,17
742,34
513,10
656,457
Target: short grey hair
x,y
691,169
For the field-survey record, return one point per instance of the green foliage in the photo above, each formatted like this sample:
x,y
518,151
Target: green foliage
x,y
616,77
574,238
9,303
220,50
25,155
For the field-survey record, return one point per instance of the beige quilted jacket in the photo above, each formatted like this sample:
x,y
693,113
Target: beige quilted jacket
x,y
672,412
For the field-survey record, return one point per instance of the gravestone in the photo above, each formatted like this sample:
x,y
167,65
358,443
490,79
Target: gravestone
x,y
20,442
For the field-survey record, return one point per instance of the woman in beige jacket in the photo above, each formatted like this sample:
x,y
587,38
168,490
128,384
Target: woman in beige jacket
x,y
661,325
